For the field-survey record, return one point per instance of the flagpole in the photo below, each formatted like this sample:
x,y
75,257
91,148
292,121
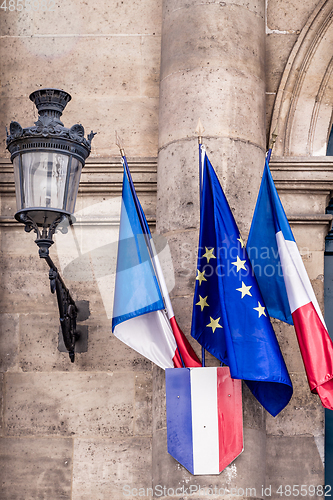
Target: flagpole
x,y
144,226
271,144
200,130
150,243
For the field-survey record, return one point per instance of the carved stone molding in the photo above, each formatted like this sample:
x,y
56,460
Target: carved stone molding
x,y
303,105
297,177
101,177
305,185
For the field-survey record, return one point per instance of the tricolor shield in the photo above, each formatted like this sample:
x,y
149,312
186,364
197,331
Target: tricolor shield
x,y
204,418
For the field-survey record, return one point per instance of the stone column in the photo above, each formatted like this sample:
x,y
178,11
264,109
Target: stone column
x,y
212,68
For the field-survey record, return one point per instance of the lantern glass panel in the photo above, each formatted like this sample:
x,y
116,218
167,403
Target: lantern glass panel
x,y
44,178
17,177
73,186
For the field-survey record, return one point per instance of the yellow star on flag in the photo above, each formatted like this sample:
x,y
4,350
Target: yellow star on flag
x,y
214,323
241,241
202,302
209,254
201,276
245,290
240,264
260,309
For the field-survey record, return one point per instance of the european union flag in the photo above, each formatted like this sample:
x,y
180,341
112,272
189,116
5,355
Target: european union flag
x,y
229,315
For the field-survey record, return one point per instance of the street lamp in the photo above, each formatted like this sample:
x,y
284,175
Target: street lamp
x,y
48,159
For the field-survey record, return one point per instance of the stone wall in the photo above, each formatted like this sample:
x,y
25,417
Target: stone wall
x,y
106,56
79,430
82,430
95,429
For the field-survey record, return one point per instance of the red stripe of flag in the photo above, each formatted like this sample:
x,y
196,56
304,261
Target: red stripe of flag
x,y
316,348
230,417
188,355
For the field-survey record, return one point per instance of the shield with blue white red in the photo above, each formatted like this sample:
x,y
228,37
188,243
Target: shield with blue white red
x,y
204,418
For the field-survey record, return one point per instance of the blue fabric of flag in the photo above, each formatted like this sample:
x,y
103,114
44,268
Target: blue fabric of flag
x,y
136,290
269,218
179,415
229,317
141,214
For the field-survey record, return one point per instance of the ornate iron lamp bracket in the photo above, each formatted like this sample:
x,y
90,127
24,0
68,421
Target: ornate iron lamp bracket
x,y
67,308
66,304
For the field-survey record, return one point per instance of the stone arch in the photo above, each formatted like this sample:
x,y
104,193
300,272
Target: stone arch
x,y
303,106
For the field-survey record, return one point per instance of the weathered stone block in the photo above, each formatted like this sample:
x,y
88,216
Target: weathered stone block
x,y
117,70
109,468
288,463
303,415
310,237
141,140
25,285
16,23
183,204
278,47
16,242
314,265
36,468
309,202
287,339
89,251
231,159
77,19
142,17
180,122
288,16
106,352
251,6
151,60
67,404
97,111
39,346
184,247
254,415
9,341
158,401
208,40
318,288
109,353
270,100
1,403
143,404
8,201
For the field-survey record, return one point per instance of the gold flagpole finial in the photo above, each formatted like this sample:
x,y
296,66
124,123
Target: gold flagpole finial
x,y
275,133
119,144
199,130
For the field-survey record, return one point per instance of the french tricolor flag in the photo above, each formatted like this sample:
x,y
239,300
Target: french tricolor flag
x,y
204,418
286,287
143,317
